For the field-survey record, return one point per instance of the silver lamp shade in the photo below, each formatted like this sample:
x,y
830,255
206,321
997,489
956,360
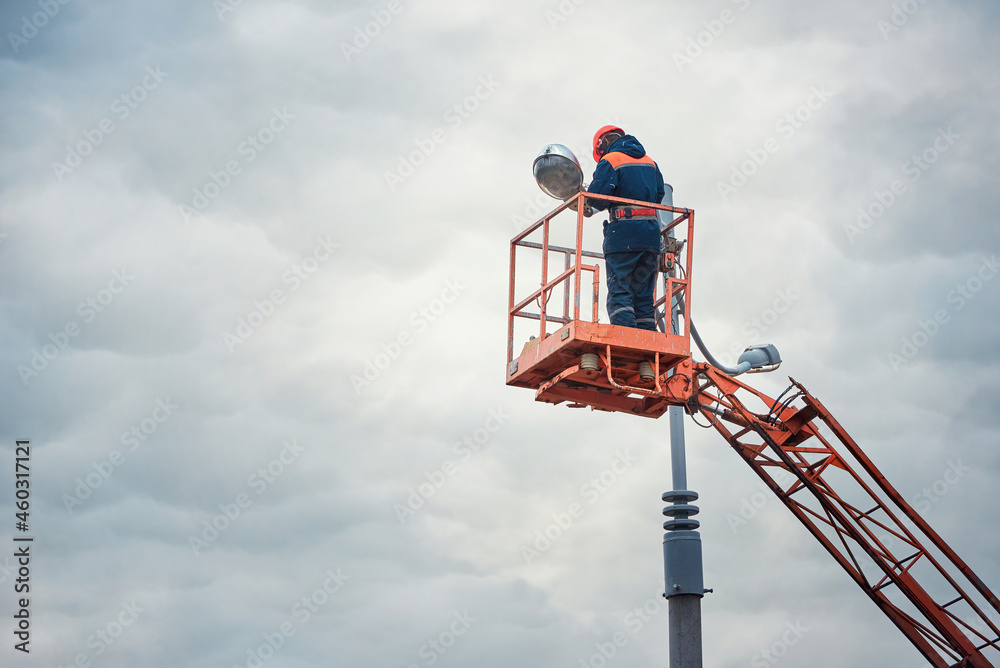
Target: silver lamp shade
x,y
558,172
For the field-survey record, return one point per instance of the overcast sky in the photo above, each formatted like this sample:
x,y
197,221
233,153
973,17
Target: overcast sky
x,y
253,285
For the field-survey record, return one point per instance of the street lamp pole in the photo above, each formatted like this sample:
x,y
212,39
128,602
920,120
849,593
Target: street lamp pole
x,y
682,557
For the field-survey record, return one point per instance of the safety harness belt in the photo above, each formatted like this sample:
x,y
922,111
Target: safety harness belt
x,y
628,212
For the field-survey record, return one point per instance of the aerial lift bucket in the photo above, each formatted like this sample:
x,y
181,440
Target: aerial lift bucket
x,y
582,361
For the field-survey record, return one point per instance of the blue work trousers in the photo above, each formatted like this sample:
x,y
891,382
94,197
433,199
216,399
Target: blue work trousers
x,y
631,278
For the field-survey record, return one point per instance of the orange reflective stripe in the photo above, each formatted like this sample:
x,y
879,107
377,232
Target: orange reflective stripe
x,y
617,159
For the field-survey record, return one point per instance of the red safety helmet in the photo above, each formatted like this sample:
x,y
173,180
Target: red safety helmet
x,y
597,140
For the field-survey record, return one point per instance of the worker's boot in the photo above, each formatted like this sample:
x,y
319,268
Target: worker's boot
x,y
646,371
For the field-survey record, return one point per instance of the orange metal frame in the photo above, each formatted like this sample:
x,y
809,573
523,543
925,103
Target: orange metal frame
x,y
885,546
839,495
550,364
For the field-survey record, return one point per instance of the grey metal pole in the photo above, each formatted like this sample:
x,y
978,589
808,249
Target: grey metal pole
x,y
678,456
682,560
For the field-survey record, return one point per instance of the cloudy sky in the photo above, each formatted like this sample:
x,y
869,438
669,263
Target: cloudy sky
x,y
253,284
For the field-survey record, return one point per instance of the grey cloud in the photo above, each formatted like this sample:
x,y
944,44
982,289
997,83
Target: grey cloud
x,y
324,176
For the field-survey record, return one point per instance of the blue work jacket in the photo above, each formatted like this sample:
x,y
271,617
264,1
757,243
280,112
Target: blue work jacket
x,y
626,171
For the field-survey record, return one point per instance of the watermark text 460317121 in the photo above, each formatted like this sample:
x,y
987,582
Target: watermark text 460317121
x,y
22,545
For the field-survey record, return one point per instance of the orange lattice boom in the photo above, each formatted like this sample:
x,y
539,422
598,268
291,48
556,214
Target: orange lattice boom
x,y
802,453
865,524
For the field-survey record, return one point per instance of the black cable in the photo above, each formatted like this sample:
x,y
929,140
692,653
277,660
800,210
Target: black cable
x,y
774,405
771,414
703,426
713,421
781,409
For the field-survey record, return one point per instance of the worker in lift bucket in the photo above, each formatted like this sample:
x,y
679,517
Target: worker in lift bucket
x,y
631,234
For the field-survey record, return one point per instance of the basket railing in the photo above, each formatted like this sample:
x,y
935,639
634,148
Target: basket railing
x,y
570,276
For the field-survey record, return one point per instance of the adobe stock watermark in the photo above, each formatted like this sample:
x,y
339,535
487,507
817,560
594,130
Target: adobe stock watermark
x,y
365,34
606,651
301,612
923,501
534,208
591,491
31,26
563,11
224,7
787,126
958,298
121,108
776,651
899,17
539,204
714,28
248,149
455,115
88,309
464,449
259,481
419,321
635,621
751,504
913,169
102,639
753,329
437,646
132,438
265,307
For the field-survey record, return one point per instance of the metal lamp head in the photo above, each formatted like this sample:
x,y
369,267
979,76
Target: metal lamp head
x,y
762,357
558,172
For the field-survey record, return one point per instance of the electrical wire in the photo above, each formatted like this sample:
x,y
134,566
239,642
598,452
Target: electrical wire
x,y
774,405
787,403
715,416
703,426
779,406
